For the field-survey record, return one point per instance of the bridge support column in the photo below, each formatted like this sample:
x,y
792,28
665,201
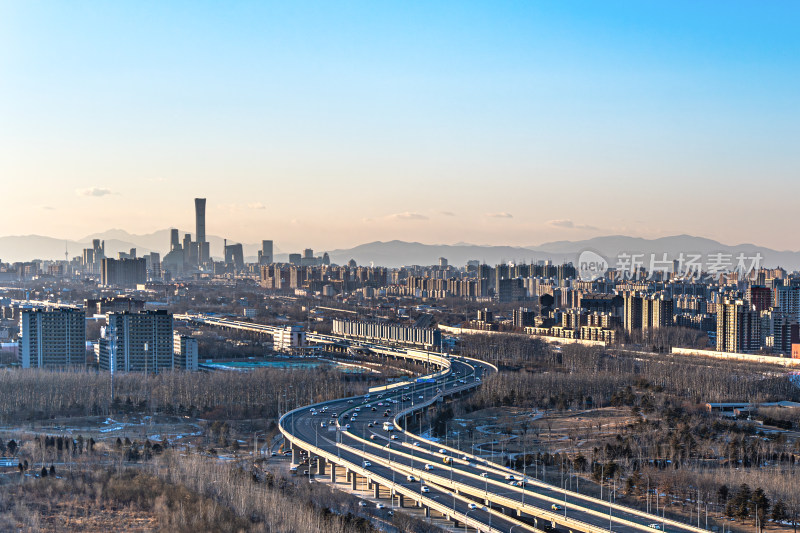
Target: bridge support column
x,y
295,455
333,473
401,500
321,465
376,490
353,480
427,512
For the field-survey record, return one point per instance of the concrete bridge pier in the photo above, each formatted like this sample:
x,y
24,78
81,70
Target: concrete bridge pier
x,y
401,501
376,490
333,473
321,465
353,480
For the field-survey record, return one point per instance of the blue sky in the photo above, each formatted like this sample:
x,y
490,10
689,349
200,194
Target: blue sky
x,y
330,124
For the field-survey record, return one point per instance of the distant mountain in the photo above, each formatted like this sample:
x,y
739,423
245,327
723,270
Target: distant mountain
x,y
399,253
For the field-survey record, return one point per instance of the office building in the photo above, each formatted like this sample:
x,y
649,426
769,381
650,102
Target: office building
x,y
234,256
126,273
290,339
265,254
137,342
52,338
203,252
174,240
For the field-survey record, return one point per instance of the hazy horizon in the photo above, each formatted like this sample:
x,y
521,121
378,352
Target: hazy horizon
x,y
327,126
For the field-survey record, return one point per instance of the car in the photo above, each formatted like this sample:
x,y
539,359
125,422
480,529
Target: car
x,y
514,483
273,454
373,437
473,506
484,474
464,458
406,388
394,437
374,409
347,426
323,425
385,414
428,467
510,477
416,443
421,397
358,408
556,507
442,450
410,478
424,488
379,506
349,401
655,526
362,504
380,404
367,464
313,413
370,425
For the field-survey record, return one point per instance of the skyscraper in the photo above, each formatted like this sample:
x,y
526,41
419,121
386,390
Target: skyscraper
x,y
265,254
174,239
200,230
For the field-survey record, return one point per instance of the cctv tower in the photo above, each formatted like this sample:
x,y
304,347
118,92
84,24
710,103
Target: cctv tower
x,y
200,230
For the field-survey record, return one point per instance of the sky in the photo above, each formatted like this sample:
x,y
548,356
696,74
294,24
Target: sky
x,y
331,124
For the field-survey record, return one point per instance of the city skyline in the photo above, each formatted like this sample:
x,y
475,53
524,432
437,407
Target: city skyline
x,y
334,126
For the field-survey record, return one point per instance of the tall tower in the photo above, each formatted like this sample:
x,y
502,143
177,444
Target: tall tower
x,y
200,230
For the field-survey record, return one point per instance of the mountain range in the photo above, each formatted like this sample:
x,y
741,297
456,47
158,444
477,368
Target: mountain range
x,y
397,253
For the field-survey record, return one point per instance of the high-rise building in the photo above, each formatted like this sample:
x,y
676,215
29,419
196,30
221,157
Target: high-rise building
x,y
633,305
185,352
137,342
52,338
123,272
738,327
203,252
174,240
523,317
657,312
759,297
265,254
234,256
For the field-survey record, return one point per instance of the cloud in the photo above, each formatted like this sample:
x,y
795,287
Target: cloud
x,y
448,213
93,191
568,224
502,214
408,215
47,207
256,205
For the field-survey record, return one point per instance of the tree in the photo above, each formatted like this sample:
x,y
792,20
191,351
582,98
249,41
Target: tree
x,y
12,447
760,504
52,470
778,511
44,471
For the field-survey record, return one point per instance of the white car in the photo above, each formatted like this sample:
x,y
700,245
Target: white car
x,y
379,506
367,464
442,450
484,474
347,426
428,467
556,507
394,437
425,489
358,408
362,504
416,443
373,437
510,477
473,506
410,478
655,526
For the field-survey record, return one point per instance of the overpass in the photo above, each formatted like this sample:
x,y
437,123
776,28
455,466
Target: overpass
x,y
346,439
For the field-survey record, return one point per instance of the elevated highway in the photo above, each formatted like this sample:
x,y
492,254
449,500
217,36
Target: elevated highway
x,y
354,447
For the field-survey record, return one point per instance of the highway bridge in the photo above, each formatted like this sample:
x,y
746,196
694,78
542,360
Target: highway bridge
x,y
348,440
